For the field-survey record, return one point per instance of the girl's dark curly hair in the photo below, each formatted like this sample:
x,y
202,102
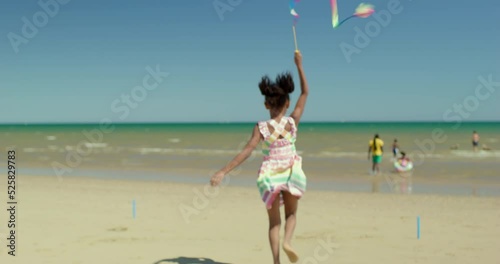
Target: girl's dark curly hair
x,y
277,93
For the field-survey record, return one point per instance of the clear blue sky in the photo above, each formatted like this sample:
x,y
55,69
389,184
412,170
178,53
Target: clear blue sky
x,y
426,59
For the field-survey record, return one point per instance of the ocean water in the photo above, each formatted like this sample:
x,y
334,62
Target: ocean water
x,y
442,152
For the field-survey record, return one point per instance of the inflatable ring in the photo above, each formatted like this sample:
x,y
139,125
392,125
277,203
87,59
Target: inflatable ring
x,y
401,168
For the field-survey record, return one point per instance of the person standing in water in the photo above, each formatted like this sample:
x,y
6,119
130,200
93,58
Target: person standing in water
x,y
475,141
376,149
395,148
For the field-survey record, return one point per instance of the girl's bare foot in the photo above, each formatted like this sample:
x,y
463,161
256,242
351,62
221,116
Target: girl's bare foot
x,y
292,255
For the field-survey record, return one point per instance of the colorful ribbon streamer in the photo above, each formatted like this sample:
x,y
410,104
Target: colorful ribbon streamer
x,y
335,14
362,11
293,12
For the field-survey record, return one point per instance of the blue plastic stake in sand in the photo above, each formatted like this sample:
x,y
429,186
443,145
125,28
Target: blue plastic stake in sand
x,y
418,227
133,209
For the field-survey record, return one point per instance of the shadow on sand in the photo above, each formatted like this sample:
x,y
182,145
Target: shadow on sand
x,y
184,260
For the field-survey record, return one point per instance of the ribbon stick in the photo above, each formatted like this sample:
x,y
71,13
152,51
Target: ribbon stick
x,y
295,20
295,39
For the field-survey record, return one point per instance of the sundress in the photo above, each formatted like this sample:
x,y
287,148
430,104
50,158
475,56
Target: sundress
x,y
281,169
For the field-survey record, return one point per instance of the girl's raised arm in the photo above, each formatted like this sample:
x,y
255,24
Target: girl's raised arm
x,y
240,158
304,90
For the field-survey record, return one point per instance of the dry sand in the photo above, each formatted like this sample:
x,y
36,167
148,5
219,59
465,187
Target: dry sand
x,y
84,220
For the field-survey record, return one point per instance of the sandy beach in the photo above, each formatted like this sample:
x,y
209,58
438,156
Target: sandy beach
x,y
86,220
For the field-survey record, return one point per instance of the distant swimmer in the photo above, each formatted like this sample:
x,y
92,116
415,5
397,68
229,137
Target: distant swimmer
x,y
475,141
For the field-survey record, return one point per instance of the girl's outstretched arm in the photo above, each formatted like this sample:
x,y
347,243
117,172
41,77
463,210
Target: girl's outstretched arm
x,y
304,89
240,158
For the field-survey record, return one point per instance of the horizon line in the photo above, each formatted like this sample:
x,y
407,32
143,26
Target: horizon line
x,y
239,122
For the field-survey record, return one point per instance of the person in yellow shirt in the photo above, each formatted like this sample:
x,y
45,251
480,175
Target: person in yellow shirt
x,y
376,149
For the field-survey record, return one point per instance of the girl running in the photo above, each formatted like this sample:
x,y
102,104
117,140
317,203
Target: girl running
x,y
281,180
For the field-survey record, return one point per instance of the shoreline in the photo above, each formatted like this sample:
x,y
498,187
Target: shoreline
x,y
384,183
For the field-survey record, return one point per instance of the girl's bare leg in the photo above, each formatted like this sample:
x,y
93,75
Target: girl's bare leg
x,y
291,203
274,229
